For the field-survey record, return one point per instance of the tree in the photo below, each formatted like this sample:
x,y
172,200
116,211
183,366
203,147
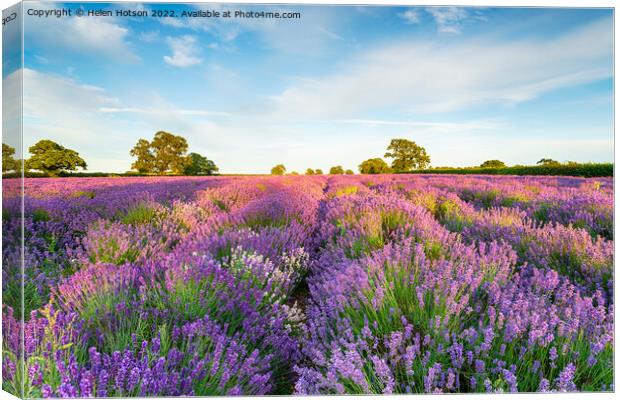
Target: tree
x,y
169,151
145,163
309,171
492,164
199,165
166,153
547,162
337,170
407,155
52,158
279,169
9,163
374,166
349,172
293,173
318,171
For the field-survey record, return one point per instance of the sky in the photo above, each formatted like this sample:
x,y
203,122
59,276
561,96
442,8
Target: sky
x,y
330,88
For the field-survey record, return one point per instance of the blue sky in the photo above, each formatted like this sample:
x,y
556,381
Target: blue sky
x,y
331,88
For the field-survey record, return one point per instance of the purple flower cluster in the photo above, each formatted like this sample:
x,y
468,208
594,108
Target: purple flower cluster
x,y
399,304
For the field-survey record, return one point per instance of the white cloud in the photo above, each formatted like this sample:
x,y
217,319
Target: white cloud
x,y
47,95
329,33
92,36
284,35
64,110
414,76
184,51
103,128
410,16
41,60
149,37
12,110
205,113
444,126
448,19
97,34
224,29
83,117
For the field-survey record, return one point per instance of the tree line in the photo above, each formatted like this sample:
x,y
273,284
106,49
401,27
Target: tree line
x,y
280,169
406,155
569,168
47,156
165,154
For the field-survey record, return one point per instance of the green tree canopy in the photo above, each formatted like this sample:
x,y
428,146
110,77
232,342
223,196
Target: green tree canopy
x,y
145,160
9,163
309,171
318,171
337,170
199,165
547,161
52,158
166,153
492,164
349,172
374,166
279,169
169,151
407,155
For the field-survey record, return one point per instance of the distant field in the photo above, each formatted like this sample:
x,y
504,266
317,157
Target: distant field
x,y
584,170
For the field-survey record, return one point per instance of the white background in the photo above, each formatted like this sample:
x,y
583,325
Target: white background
x,y
522,3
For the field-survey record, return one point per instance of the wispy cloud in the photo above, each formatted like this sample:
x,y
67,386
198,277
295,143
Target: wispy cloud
x,y
204,113
93,36
452,126
64,109
472,73
410,16
46,95
291,36
41,60
448,19
329,33
324,90
149,37
184,51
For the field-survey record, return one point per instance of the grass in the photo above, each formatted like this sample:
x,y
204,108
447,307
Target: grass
x,y
107,251
140,214
89,194
346,191
40,215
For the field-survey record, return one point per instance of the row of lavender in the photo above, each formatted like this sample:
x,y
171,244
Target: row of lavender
x,y
446,285
197,286
143,289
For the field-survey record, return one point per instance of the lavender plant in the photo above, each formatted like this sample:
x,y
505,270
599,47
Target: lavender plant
x,y
308,285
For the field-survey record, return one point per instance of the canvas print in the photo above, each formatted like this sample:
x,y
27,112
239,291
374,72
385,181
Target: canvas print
x,y
297,199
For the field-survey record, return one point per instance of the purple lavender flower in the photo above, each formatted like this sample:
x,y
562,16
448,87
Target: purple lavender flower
x,y
543,386
565,379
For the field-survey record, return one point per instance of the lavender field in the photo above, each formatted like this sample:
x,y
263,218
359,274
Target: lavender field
x,y
308,285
